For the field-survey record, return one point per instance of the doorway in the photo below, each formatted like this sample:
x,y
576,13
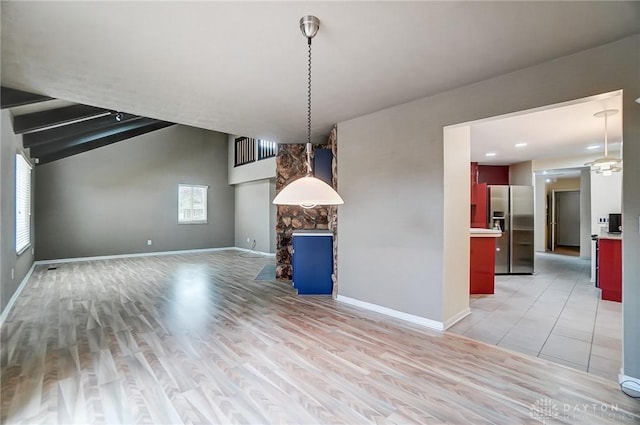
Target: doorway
x,y
565,231
504,318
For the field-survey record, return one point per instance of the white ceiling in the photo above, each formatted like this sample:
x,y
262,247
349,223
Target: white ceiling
x,y
240,67
552,132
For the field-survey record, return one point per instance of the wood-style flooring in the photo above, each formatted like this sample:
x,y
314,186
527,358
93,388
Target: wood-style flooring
x,y
195,339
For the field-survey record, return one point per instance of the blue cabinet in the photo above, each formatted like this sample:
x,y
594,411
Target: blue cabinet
x,y
313,263
322,165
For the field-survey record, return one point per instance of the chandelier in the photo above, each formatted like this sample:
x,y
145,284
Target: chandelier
x,y
607,164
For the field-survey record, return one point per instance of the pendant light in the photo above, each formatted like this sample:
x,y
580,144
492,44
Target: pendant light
x,y
308,191
607,164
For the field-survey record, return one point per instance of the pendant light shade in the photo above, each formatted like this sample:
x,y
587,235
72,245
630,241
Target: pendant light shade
x,y
607,164
308,191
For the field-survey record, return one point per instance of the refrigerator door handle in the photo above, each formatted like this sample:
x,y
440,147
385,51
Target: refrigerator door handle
x,y
510,221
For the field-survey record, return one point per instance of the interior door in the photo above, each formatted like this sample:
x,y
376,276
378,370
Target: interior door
x,y
567,208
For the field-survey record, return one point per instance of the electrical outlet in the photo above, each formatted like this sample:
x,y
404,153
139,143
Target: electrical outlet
x,y
603,220
13,274
149,242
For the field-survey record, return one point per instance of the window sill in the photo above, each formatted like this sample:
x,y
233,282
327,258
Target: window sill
x,y
193,222
23,250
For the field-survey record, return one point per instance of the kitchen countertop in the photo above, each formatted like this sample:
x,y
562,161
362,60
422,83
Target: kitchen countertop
x,y
477,232
607,235
312,232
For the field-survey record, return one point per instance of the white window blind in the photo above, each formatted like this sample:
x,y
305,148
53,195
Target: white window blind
x,y
23,203
192,203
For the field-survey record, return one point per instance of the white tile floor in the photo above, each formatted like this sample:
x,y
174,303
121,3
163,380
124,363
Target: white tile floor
x,y
555,314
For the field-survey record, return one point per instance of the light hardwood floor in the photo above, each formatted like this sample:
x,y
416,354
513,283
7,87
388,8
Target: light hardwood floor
x,y
194,339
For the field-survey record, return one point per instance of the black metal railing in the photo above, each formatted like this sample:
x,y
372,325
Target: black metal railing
x,y
249,150
266,149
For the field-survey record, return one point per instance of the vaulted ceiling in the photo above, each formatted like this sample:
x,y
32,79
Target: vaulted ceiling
x,y
54,130
240,67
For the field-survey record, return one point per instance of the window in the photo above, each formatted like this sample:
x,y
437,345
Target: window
x,y
192,204
23,204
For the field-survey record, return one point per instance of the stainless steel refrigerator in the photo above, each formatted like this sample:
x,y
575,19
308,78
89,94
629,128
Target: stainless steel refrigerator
x,y
511,210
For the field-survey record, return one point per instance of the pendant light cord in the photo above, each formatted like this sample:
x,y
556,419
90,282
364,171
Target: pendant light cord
x,y
308,147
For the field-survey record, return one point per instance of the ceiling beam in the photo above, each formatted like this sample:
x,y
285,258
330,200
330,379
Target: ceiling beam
x,y
55,117
105,123
72,146
10,98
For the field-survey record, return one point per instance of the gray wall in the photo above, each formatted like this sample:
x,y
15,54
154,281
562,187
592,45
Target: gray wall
x,y
112,200
253,215
391,177
390,236
10,144
272,216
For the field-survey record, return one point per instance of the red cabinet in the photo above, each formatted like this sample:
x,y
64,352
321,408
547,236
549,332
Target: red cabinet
x,y
482,265
610,268
478,199
479,205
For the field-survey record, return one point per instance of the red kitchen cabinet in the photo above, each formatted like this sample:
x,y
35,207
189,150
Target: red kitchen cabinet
x,y
610,268
479,205
482,265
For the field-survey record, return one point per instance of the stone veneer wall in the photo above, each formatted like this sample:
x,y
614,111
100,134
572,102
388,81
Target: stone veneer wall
x,y
290,164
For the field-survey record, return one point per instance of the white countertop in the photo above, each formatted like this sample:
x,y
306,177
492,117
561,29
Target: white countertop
x,y
312,232
607,235
478,232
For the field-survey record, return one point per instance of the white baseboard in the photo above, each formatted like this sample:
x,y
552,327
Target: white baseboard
x,y
147,254
266,254
456,318
422,321
15,295
629,383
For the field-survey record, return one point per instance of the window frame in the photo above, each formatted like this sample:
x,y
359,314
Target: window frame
x,y
22,164
206,203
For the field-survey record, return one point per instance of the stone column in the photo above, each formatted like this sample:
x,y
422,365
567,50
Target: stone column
x,y
290,165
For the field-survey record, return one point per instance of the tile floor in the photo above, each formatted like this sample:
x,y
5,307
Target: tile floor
x,y
555,314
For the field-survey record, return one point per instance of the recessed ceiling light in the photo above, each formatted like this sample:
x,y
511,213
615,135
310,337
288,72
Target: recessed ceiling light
x,y
521,145
544,172
548,180
490,154
638,100
593,147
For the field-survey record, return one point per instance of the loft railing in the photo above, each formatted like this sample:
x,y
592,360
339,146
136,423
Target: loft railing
x,y
266,149
249,150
